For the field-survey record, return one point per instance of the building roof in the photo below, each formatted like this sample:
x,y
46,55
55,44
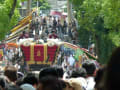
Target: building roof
x,y
57,4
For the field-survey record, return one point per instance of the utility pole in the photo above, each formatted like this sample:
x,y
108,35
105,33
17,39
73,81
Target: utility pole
x,y
28,6
69,11
37,5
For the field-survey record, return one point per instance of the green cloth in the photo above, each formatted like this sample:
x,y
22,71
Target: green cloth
x,y
78,53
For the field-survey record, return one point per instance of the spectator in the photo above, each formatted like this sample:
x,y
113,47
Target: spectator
x,y
74,33
59,26
54,23
99,78
59,70
2,83
51,71
30,82
51,83
53,35
90,69
11,78
70,30
41,20
44,23
112,75
37,27
23,35
74,84
80,74
65,27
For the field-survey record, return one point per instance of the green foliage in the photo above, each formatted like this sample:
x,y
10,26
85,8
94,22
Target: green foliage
x,y
100,21
111,10
77,2
5,22
43,4
14,19
1,1
84,37
78,52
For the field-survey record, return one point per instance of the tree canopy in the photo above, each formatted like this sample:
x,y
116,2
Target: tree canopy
x,y
9,16
100,19
43,4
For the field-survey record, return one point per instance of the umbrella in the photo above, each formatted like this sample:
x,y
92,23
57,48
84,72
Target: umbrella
x,y
56,13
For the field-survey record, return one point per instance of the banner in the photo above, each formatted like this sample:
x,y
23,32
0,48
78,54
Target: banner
x,y
40,54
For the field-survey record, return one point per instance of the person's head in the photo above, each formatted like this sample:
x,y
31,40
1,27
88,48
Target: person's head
x,y
2,83
78,72
89,67
59,71
47,71
11,73
23,32
31,79
99,78
51,71
112,78
51,83
53,31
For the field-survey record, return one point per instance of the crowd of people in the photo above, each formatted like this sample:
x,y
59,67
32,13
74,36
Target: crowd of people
x,y
65,75
86,77
51,27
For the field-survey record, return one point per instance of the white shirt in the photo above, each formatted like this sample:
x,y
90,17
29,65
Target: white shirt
x,y
83,82
71,61
90,83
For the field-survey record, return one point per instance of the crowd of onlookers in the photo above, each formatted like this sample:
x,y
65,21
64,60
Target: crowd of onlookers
x,y
86,77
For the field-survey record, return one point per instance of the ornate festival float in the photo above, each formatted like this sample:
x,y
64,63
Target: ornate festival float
x,y
46,54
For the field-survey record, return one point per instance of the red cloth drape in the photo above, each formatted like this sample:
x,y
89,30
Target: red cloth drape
x,y
26,52
51,52
39,53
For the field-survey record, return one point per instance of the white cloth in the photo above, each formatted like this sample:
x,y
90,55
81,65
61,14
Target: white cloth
x,y
90,83
71,61
83,81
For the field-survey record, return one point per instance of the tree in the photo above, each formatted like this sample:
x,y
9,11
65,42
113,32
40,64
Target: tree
x,y
12,9
99,18
8,17
43,4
